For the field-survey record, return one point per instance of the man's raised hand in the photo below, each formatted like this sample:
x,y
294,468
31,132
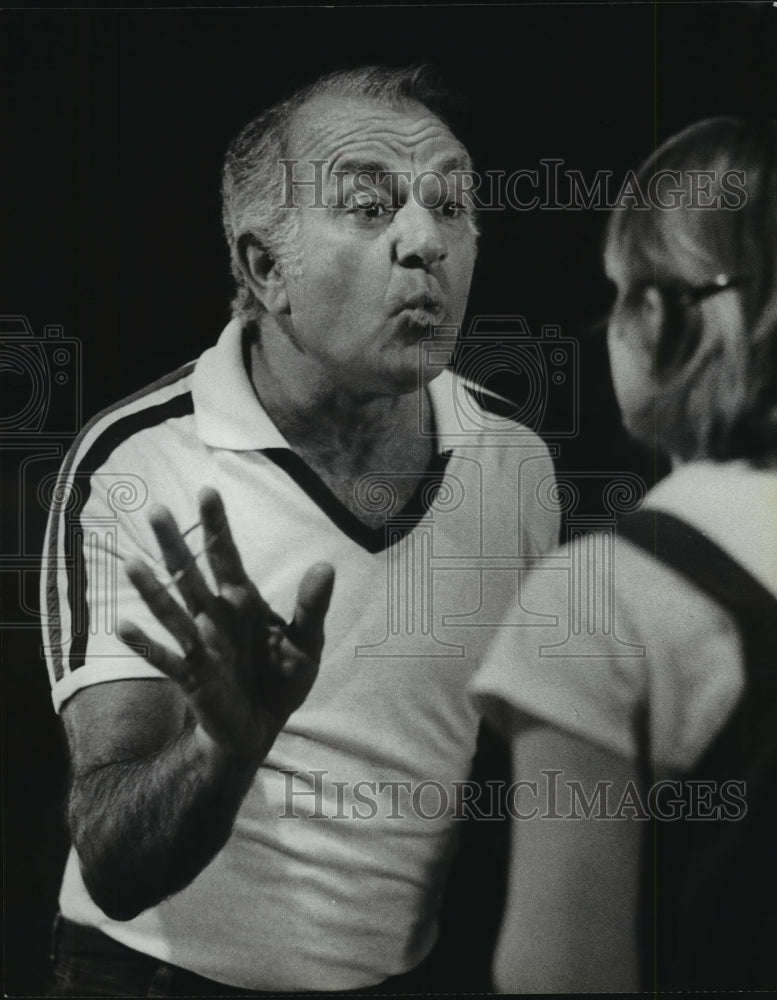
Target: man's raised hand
x,y
243,669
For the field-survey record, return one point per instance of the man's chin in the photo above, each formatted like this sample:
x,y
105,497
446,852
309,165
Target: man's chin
x,y
401,368
420,376
400,380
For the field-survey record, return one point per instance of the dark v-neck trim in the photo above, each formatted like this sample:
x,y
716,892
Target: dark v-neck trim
x,y
372,539
397,524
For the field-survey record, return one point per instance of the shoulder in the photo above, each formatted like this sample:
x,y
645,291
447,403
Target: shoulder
x,y
514,465
167,399
605,618
564,656
472,418
479,409
121,456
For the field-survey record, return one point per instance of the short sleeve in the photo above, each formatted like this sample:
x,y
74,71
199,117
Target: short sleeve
x,y
97,521
575,661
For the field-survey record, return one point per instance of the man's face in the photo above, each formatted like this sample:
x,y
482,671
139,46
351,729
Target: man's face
x,y
391,254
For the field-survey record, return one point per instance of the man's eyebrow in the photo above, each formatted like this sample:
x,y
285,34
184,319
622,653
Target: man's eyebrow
x,y
351,165
454,163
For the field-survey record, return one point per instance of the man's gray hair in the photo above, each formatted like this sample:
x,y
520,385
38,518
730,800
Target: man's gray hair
x,y
252,186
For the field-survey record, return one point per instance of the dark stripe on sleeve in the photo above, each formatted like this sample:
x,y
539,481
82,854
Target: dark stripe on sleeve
x,y
94,458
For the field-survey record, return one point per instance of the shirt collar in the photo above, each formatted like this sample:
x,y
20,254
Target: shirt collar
x,y
443,392
228,413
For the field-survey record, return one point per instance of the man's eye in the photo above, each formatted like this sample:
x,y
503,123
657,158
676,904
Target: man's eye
x,y
376,211
370,209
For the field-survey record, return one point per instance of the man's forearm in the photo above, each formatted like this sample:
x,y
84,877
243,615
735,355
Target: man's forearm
x,y
144,829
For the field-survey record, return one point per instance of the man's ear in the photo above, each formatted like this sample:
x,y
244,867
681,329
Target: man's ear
x,y
263,274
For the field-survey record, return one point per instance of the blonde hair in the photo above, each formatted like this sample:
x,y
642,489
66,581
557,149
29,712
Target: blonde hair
x,y
716,360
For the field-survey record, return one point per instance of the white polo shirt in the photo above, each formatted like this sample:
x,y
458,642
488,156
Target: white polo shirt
x,y
334,870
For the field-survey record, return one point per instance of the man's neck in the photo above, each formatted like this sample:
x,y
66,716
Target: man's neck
x,y
341,431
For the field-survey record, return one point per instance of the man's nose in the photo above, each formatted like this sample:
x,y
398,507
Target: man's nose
x,y
419,241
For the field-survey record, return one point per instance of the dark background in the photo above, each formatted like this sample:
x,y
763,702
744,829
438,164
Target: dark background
x,y
113,129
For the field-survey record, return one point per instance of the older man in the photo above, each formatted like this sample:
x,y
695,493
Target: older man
x,y
247,812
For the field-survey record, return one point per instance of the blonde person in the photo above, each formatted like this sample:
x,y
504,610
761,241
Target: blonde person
x,y
650,779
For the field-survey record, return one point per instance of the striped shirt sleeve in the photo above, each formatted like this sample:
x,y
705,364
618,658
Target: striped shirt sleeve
x,y
98,519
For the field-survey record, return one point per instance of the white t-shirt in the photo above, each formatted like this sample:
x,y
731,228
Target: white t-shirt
x,y
629,630
294,901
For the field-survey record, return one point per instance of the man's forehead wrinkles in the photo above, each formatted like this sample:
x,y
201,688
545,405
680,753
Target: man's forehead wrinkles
x,y
339,135
396,139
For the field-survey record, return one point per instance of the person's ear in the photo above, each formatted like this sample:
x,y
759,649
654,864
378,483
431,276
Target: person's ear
x,y
653,318
640,323
264,274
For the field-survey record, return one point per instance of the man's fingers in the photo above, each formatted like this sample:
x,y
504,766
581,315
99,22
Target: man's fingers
x,y
163,606
179,561
155,653
223,555
313,597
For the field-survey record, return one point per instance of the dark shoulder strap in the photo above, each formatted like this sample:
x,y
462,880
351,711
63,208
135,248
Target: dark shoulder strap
x,y
689,551
708,912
